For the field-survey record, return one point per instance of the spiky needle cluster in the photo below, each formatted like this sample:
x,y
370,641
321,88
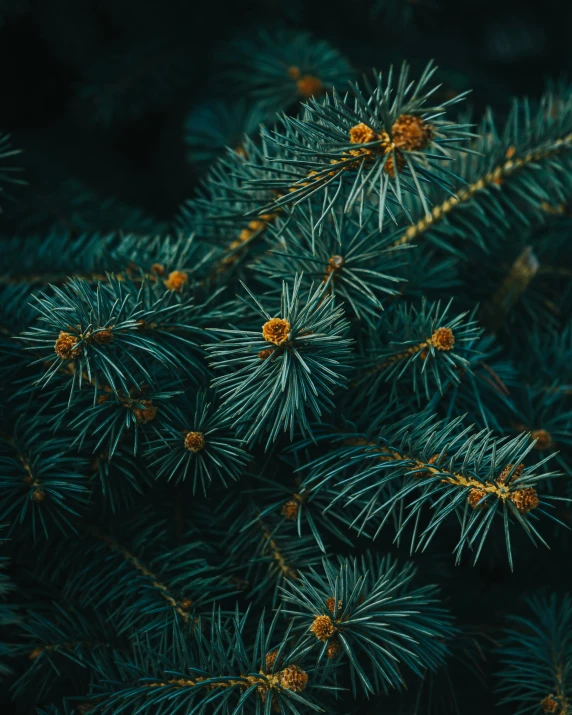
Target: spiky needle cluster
x,y
205,423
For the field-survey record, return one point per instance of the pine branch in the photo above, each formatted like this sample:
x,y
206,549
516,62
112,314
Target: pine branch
x,y
288,370
537,658
441,467
513,173
365,612
386,143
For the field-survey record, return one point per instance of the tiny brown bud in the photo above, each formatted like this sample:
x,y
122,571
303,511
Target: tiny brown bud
x,y
38,495
276,330
475,496
194,441
34,654
270,660
525,500
502,479
395,164
158,269
146,412
335,265
549,705
67,347
330,602
333,649
293,678
176,280
309,86
290,509
543,439
294,72
264,354
186,604
443,339
101,337
411,133
323,628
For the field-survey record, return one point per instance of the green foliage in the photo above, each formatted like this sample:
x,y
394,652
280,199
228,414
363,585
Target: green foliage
x,y
102,329
218,668
442,468
209,451
298,245
322,137
536,657
284,376
278,68
216,125
281,401
379,623
42,484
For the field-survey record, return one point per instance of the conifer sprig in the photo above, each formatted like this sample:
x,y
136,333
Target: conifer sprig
x,y
443,469
42,483
362,266
278,68
386,141
536,653
367,613
225,666
132,570
517,174
288,370
264,551
195,442
106,336
426,346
